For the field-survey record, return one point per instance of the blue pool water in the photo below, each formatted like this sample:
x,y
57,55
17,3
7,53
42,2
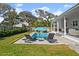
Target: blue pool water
x,y
41,28
40,35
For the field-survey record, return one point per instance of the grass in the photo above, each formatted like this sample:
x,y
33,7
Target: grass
x,y
11,39
9,49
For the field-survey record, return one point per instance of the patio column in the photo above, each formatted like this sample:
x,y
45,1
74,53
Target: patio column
x,y
51,25
54,26
57,27
65,26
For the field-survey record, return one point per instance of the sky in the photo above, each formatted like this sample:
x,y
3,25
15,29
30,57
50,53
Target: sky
x,y
55,8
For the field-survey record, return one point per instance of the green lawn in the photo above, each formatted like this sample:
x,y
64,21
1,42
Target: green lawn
x,y
9,49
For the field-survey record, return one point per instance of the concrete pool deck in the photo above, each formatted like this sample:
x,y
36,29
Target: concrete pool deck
x,y
70,43
60,40
21,41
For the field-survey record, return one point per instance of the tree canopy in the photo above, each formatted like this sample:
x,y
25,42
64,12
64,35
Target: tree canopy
x,y
4,8
10,15
43,13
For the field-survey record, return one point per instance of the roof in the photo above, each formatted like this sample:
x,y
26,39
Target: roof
x,y
69,11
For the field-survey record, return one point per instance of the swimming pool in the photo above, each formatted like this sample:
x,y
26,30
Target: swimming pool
x,y
40,35
41,28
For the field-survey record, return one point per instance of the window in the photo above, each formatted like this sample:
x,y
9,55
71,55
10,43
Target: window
x,y
75,23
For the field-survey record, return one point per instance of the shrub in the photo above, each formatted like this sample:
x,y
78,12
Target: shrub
x,y
11,32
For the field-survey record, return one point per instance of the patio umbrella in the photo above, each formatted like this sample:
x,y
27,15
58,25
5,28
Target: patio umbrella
x,y
40,29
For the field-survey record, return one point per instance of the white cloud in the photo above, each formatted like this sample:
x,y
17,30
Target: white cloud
x,y
18,5
61,10
67,5
33,12
58,12
44,8
18,10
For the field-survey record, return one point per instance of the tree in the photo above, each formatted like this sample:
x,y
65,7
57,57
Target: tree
x,y
45,15
4,8
8,13
40,12
27,16
10,16
24,15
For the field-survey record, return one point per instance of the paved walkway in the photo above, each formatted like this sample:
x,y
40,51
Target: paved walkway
x,y
72,44
75,39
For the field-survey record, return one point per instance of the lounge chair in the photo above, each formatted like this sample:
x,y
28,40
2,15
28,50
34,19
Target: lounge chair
x,y
29,38
50,38
51,35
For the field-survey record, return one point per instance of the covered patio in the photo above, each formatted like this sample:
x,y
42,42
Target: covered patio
x,y
68,22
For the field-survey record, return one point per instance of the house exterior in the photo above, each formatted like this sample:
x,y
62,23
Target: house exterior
x,y
68,22
21,24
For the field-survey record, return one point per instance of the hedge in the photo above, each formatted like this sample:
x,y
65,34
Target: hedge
x,y
11,32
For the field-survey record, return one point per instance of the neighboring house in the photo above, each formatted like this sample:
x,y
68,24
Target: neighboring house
x,y
68,22
21,24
